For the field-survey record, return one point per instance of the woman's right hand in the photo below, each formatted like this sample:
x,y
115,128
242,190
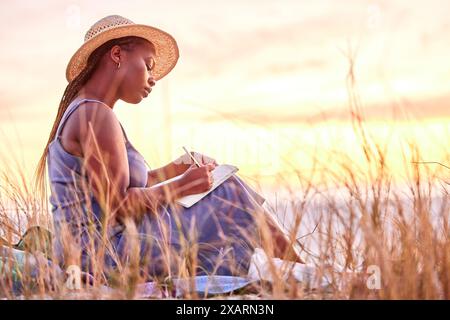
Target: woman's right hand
x,y
196,179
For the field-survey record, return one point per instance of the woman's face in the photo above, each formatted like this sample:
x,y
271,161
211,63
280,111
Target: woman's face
x,y
137,81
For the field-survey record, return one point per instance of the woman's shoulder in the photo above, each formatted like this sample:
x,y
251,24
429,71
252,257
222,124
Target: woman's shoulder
x,y
97,118
93,108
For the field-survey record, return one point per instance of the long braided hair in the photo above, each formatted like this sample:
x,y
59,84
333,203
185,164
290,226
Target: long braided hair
x,y
71,91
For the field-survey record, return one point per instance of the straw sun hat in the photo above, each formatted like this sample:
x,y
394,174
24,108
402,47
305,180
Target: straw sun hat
x,y
113,27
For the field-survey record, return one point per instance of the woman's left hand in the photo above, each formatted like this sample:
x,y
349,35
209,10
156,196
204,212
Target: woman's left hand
x,y
185,160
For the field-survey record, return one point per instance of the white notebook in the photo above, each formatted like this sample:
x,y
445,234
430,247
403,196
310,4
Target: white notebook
x,y
220,174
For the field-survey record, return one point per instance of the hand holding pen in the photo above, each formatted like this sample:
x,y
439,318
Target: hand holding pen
x,y
189,158
198,177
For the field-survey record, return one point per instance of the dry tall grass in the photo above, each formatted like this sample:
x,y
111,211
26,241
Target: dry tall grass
x,y
403,232
367,226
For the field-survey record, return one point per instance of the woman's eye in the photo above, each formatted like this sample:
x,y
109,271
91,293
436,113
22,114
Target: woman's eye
x,y
150,66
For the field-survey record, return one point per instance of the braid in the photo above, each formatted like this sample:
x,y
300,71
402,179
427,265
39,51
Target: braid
x,y
71,91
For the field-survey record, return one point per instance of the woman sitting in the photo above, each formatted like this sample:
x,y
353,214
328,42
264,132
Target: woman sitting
x,y
106,213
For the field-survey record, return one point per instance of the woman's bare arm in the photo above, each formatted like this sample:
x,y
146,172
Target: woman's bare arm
x,y
142,200
106,165
164,173
176,168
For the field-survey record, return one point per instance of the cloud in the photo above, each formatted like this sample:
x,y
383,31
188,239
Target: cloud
x,y
437,107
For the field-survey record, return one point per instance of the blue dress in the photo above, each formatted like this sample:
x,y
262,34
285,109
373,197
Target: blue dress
x,y
219,232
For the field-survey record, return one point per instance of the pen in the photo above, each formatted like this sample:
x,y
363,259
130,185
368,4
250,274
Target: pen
x,y
192,157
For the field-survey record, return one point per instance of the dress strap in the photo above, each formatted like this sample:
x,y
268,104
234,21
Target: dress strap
x,y
124,133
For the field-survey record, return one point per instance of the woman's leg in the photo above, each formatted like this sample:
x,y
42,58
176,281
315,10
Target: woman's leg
x,y
282,247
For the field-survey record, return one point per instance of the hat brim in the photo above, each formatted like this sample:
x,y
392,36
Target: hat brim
x,y
165,46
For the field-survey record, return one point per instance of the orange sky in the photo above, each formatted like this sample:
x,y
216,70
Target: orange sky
x,y
276,63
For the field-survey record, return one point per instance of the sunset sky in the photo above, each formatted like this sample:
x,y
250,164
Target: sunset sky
x,y
259,83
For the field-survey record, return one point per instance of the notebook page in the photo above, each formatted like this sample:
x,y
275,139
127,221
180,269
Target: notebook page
x,y
220,174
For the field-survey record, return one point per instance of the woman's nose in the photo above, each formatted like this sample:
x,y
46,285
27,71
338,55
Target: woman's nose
x,y
151,81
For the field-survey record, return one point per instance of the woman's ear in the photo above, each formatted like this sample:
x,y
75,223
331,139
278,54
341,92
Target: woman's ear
x,y
116,54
